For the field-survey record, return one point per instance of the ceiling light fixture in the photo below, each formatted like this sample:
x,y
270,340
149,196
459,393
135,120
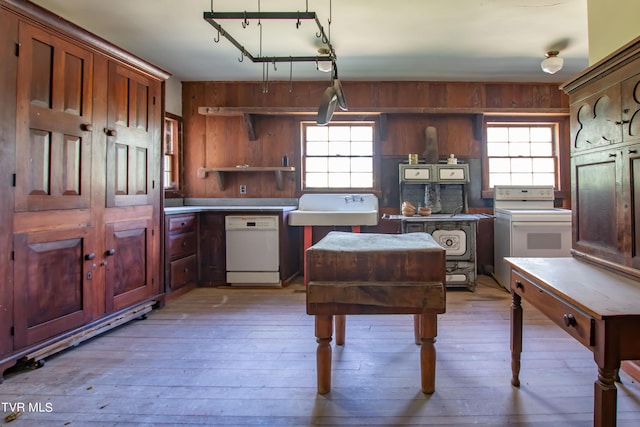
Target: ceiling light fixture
x,y
552,63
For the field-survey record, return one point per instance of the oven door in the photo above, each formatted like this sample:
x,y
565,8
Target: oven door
x,y
541,239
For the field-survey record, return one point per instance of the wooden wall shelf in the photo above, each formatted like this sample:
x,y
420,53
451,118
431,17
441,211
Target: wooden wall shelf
x,y
220,172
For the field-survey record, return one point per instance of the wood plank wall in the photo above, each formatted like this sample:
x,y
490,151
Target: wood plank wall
x,y
452,107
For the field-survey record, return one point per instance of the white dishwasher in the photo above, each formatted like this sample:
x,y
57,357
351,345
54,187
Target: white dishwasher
x,y
252,250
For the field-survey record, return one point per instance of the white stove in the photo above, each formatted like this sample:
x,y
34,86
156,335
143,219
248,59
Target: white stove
x,y
528,225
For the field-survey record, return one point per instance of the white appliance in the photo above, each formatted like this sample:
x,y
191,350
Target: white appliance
x,y
252,250
527,225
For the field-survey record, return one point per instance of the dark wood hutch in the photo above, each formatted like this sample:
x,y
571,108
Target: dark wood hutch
x,y
80,132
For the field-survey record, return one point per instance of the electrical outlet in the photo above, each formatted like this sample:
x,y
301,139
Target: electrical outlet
x,y
243,189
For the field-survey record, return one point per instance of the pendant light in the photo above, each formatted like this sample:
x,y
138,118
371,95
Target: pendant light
x,y
552,63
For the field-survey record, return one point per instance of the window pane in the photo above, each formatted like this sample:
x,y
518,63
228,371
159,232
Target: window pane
x,y
542,149
360,164
317,148
544,179
337,164
521,165
495,134
541,134
362,180
339,133
519,134
362,148
543,165
500,165
339,148
521,179
340,180
362,133
519,149
317,133
499,179
316,164
497,149
316,179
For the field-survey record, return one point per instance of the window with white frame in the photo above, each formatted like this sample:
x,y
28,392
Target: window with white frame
x,y
338,155
522,154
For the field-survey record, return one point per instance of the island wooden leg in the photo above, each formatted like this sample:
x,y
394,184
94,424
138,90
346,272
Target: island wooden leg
x,y
429,330
324,329
341,321
605,398
417,320
516,338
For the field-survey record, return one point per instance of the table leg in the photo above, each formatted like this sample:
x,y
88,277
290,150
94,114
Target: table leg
x,y
308,241
516,337
341,321
605,398
417,319
429,330
324,329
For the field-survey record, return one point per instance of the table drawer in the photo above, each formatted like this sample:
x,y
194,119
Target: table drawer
x,y
182,223
577,324
183,271
181,245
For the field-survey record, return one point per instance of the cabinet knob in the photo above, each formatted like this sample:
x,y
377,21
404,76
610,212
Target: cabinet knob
x,y
86,127
622,122
633,151
110,132
184,243
519,285
569,320
110,252
613,155
186,270
182,224
89,256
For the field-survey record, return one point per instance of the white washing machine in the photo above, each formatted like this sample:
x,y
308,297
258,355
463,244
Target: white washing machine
x,y
528,225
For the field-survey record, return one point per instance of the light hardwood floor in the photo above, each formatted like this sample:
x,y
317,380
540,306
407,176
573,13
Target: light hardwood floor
x,y
246,357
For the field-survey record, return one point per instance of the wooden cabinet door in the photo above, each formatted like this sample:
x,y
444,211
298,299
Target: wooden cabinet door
x,y
130,263
133,137
53,274
594,120
54,116
598,223
212,248
631,192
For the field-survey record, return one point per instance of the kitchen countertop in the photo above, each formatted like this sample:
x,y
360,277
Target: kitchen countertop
x,y
230,208
437,217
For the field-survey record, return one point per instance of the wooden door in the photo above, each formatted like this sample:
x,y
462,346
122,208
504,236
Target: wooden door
x,y
54,270
598,223
130,263
54,116
133,137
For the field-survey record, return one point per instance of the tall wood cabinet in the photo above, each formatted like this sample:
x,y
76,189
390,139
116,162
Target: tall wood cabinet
x,y
80,134
605,160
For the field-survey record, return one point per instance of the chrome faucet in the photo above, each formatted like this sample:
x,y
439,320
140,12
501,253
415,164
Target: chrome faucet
x,y
456,211
353,198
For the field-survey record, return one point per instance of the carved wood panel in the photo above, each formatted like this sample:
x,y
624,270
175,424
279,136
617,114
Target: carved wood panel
x,y
55,283
54,116
630,89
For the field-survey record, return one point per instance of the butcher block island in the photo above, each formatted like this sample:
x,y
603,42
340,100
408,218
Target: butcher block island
x,y
369,273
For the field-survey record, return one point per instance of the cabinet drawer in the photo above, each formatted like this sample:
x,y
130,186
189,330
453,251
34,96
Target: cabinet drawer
x,y
182,223
181,245
577,324
183,271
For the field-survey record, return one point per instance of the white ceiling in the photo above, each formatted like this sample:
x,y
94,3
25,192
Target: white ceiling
x,y
429,40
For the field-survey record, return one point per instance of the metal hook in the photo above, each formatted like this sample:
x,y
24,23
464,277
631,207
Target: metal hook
x,y
298,21
274,65
216,40
241,56
245,22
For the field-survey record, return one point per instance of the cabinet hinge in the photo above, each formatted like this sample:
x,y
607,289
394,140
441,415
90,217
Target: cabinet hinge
x,y
12,332
154,100
153,184
17,49
13,180
153,232
13,255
